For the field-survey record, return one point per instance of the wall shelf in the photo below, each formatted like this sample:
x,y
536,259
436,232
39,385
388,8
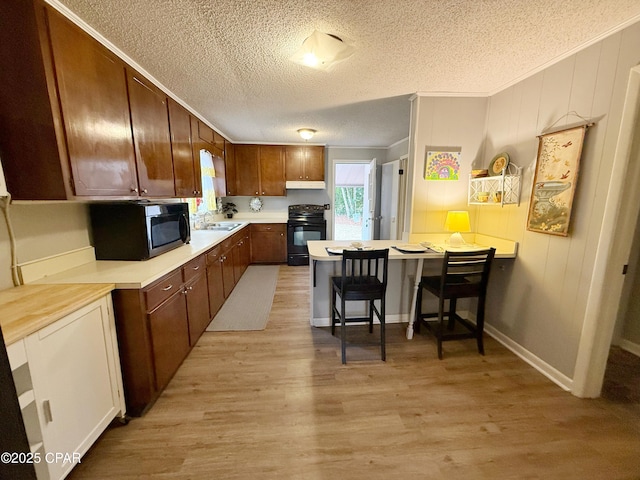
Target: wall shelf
x,y
509,184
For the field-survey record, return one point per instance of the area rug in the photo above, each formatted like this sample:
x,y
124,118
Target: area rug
x,y
248,306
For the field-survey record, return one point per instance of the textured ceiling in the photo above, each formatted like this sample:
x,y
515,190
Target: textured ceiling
x,y
229,60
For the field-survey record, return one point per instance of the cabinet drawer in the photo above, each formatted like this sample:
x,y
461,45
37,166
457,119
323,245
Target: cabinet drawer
x,y
213,256
193,268
163,289
228,243
269,227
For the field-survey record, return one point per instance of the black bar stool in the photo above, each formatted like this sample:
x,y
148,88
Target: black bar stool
x,y
464,275
364,277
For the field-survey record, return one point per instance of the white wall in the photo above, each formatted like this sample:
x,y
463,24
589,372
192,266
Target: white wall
x,y
444,122
538,301
42,230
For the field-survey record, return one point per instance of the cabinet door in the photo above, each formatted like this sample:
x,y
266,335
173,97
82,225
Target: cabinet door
x,y
272,170
314,164
215,281
197,306
71,363
268,243
205,133
152,140
220,167
230,168
186,183
228,279
169,337
241,255
95,112
247,170
294,162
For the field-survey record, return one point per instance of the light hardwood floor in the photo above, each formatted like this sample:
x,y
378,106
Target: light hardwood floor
x,y
278,404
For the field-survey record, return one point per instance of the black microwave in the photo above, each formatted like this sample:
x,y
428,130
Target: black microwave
x,y
138,230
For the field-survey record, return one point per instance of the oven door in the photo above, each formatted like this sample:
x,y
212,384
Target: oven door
x,y
298,234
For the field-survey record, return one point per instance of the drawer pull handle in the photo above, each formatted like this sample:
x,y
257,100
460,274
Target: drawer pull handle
x,y
197,268
166,289
46,406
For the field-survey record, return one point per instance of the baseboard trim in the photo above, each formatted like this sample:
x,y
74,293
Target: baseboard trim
x,y
630,347
544,368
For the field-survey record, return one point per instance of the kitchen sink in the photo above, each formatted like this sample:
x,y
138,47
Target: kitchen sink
x,y
222,227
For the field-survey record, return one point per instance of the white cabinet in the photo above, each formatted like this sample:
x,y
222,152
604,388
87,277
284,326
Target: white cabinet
x,y
69,384
497,190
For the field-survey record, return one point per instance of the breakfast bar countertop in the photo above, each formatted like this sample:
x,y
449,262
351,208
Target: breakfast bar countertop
x,y
402,288
504,248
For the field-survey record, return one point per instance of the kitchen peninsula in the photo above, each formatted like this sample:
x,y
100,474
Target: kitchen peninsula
x,y
404,267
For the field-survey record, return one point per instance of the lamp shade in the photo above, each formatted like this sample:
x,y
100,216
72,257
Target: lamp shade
x,y
457,221
322,51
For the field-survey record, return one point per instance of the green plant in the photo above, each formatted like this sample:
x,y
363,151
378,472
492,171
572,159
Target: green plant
x,y
229,208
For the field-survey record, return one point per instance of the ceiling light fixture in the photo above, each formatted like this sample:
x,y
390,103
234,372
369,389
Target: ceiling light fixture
x,y
322,51
306,133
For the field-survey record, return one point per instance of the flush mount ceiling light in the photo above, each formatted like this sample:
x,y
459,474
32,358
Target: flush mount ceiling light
x,y
322,51
306,133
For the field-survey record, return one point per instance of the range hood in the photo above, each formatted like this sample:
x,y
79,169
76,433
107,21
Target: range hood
x,y
308,185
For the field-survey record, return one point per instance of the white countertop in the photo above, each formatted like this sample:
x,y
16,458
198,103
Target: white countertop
x,y
127,274
504,248
134,275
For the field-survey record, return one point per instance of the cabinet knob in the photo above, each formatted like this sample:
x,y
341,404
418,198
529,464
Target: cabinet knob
x,y
257,193
144,190
134,189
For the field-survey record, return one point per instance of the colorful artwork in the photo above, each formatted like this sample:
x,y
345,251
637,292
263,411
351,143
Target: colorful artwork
x,y
441,165
554,184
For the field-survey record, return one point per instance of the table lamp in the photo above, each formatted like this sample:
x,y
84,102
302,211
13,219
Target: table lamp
x,y
457,221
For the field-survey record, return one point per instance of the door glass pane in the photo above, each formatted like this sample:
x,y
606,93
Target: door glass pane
x,y
349,195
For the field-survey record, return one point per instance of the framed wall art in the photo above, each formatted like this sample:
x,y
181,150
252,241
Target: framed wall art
x,y
554,184
442,164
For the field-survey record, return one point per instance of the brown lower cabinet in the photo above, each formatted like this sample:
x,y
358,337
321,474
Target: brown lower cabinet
x,y
268,242
158,325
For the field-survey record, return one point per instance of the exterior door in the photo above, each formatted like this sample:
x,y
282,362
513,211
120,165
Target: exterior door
x,y
354,199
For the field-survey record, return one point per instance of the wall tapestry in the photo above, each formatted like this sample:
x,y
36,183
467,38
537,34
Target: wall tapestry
x,y
442,165
555,180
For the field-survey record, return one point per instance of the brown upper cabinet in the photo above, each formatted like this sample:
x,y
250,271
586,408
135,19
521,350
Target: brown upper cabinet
x,y
186,170
208,139
64,111
230,168
151,136
259,170
77,122
304,163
